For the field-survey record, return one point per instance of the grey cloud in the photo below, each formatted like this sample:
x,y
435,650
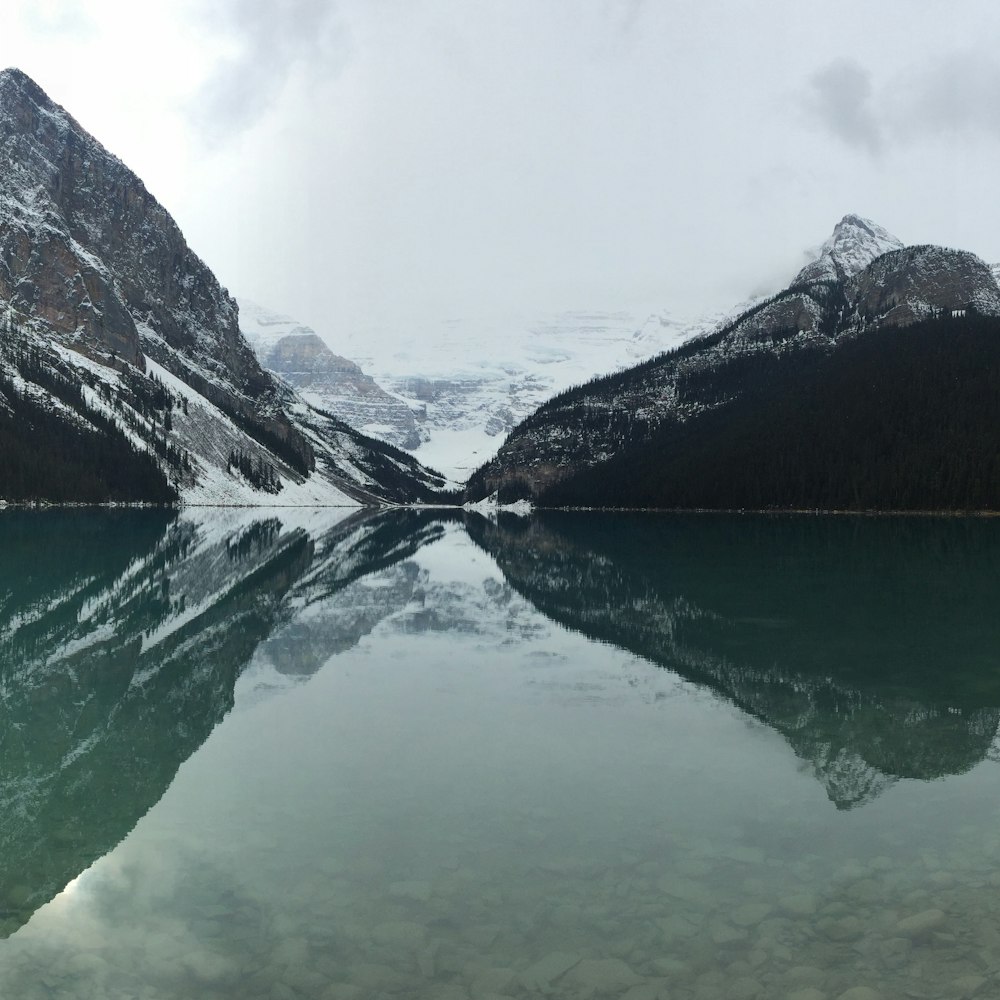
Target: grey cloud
x,y
625,14
840,99
272,41
958,93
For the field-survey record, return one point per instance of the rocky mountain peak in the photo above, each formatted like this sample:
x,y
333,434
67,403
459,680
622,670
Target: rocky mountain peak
x,y
304,351
853,245
104,304
14,81
86,250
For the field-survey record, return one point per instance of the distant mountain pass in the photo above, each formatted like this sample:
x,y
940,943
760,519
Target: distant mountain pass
x,y
465,383
328,381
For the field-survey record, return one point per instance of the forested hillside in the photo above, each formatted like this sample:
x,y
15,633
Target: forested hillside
x,y
905,418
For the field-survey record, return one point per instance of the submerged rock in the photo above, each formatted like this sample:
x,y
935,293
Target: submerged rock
x,y
921,924
807,993
547,969
860,993
603,976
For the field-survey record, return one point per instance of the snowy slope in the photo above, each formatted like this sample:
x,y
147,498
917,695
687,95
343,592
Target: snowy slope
x,y
853,245
468,382
112,325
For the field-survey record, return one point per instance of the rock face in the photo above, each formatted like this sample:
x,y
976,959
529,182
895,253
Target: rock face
x,y
99,289
911,284
862,283
89,250
324,379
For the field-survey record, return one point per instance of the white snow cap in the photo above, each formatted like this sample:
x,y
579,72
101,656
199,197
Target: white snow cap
x,y
854,244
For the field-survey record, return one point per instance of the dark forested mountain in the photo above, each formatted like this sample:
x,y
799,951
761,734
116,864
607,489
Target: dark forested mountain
x,y
123,372
869,383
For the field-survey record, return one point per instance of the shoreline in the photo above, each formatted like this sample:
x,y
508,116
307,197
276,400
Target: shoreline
x,y
470,508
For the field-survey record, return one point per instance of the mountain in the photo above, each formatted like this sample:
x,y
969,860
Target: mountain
x,y
466,382
853,245
324,379
472,379
121,357
868,383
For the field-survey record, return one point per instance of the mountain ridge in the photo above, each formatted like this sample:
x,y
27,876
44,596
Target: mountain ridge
x,y
297,354
670,397
117,334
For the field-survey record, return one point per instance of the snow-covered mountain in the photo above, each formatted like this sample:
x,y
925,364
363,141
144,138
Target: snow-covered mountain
x,y
454,395
324,379
854,243
855,288
123,354
468,382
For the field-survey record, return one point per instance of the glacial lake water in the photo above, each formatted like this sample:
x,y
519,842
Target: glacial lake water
x,y
287,754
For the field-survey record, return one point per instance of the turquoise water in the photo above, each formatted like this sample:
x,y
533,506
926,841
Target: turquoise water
x,y
331,756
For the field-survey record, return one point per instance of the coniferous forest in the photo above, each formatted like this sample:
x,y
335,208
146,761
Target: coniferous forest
x,y
905,418
47,455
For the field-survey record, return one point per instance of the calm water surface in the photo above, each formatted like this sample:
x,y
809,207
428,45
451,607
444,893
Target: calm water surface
x,y
332,755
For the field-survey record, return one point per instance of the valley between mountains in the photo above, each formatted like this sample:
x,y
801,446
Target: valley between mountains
x,y
129,374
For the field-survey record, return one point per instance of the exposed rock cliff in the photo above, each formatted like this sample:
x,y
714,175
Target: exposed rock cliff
x,y
326,380
89,250
111,324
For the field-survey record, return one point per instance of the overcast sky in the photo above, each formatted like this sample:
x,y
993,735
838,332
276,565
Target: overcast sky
x,y
399,161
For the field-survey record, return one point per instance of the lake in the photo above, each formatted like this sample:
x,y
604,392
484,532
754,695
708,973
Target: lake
x,y
344,755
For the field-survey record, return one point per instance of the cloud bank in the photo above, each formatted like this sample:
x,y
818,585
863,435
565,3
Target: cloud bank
x,y
267,44
956,93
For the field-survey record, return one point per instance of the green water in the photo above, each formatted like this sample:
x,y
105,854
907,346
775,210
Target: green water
x,y
323,755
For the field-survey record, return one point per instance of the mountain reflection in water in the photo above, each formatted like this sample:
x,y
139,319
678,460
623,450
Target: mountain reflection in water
x,y
868,644
872,645
122,635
